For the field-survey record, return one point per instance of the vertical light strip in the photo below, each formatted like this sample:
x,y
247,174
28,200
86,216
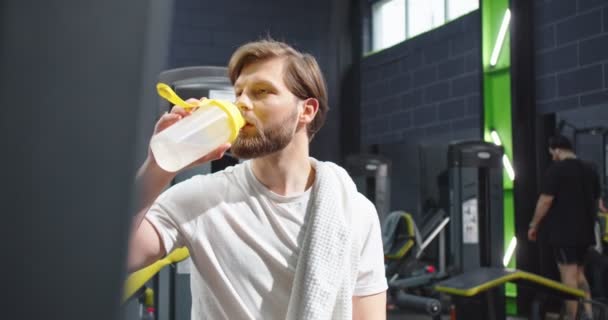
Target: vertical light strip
x,y
508,167
510,250
505,160
495,138
502,33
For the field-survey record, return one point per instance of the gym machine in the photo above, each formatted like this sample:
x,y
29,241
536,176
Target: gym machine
x,y
476,227
476,206
371,174
476,241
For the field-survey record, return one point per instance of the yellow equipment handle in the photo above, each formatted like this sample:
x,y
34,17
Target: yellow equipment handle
x,y
138,278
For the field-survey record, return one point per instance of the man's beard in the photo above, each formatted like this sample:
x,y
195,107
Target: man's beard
x,y
265,141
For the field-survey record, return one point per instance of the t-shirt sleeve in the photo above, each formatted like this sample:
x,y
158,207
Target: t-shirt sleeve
x,y
371,277
550,183
171,212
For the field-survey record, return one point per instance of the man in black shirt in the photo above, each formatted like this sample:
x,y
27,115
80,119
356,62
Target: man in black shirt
x,y
565,214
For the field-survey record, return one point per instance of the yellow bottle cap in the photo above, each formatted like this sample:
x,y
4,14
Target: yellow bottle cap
x,y
234,115
235,118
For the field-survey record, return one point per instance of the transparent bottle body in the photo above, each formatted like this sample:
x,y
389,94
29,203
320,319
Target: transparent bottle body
x,y
191,138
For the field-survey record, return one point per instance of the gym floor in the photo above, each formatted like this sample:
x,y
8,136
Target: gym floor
x,y
411,316
401,315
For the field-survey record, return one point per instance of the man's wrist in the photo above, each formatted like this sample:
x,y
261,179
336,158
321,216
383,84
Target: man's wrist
x,y
152,172
532,225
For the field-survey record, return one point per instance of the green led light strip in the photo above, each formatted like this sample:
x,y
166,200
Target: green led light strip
x,y
496,63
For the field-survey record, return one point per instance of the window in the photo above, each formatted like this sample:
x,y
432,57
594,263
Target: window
x,y
457,8
394,21
388,19
424,15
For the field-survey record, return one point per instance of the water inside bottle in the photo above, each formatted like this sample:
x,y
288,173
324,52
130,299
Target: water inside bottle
x,y
174,156
175,148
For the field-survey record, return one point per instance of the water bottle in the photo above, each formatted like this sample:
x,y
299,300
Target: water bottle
x,y
214,123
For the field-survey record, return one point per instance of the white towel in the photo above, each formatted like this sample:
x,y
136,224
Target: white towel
x,y
327,262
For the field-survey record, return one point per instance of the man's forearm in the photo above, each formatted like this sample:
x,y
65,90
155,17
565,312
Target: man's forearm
x,y
370,307
149,182
542,207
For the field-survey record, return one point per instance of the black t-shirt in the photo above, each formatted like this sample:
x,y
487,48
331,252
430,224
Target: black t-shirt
x,y
570,220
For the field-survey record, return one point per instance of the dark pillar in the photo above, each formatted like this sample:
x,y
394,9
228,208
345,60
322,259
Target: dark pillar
x,y
349,54
524,146
74,76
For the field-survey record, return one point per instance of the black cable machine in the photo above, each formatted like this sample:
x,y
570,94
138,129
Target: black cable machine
x,y
371,173
476,228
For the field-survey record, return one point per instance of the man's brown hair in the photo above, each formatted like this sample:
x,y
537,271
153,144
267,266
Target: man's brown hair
x,y
302,76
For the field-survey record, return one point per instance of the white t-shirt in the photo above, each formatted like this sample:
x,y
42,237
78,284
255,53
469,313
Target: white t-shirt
x,y
244,242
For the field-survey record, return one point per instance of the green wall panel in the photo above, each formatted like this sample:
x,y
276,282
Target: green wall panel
x,y
497,104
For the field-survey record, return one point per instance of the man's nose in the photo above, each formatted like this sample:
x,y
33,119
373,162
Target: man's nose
x,y
243,103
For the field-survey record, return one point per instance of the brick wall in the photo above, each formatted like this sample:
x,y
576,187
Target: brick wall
x,y
208,32
571,61
426,86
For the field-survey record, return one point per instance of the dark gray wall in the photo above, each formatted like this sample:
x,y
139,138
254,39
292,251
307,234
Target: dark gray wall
x,y
425,86
418,96
207,33
571,44
405,176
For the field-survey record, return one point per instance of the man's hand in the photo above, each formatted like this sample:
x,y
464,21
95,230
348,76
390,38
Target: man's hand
x,y
542,207
532,233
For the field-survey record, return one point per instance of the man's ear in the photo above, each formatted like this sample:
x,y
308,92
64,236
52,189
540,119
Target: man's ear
x,y
311,106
